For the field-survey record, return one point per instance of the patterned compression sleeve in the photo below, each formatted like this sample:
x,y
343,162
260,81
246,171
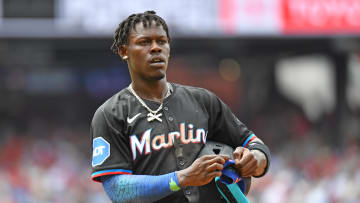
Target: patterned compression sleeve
x,y
140,188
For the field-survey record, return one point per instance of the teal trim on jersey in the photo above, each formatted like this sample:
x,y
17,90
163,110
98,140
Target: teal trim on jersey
x,y
96,175
106,172
248,139
235,191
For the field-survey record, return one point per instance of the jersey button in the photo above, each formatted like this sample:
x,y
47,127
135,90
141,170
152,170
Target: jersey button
x,y
166,108
182,162
188,192
171,118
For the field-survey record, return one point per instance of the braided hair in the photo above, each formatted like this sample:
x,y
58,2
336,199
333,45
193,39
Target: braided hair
x,y
122,32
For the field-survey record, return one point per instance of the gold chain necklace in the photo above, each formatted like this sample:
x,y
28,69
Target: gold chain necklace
x,y
152,115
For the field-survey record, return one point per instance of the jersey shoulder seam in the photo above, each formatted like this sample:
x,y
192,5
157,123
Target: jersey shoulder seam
x,y
108,122
195,89
106,105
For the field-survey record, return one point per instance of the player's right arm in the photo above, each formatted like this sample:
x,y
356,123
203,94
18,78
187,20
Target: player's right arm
x,y
147,188
112,163
140,188
110,148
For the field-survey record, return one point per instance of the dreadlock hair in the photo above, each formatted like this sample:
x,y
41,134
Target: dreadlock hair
x,y
122,32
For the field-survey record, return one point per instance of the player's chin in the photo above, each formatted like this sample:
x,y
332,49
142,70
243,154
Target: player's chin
x,y
159,75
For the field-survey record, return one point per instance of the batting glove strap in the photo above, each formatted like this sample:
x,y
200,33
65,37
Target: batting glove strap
x,y
263,148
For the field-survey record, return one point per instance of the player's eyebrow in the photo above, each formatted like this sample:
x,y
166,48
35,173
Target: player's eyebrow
x,y
141,36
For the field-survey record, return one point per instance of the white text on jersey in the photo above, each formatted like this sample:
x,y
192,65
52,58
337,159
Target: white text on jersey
x,y
158,141
98,151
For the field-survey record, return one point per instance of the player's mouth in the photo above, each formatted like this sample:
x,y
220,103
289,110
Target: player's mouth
x,y
157,61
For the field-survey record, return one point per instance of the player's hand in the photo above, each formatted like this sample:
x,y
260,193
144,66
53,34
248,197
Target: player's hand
x,y
202,171
249,162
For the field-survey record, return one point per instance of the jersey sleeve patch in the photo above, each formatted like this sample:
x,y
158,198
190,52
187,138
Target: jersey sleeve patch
x,y
101,151
95,176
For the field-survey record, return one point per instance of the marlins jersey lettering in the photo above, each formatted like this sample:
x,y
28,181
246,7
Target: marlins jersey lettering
x,y
125,142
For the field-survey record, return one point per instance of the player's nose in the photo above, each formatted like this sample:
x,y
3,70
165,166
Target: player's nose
x,y
155,47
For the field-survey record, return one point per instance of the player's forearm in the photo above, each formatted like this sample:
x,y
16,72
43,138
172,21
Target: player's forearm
x,y
140,188
262,155
262,162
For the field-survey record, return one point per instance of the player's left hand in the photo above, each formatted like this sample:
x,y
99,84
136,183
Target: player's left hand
x,y
249,162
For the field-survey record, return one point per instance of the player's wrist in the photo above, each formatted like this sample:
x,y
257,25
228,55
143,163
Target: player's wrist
x,y
182,178
261,162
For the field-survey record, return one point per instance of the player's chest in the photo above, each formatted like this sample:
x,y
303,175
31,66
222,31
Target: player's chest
x,y
176,123
172,116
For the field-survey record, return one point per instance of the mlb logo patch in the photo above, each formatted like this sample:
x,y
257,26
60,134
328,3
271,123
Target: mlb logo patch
x,y
101,151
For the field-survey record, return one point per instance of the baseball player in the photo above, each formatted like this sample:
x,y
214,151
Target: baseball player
x,y
146,138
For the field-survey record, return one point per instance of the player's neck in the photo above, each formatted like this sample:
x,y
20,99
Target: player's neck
x,y
153,91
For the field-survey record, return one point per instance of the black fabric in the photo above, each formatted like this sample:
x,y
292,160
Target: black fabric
x,y
191,115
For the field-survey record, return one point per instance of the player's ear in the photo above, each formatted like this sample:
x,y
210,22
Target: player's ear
x,y
123,52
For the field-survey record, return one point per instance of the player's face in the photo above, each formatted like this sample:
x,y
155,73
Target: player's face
x,y
148,51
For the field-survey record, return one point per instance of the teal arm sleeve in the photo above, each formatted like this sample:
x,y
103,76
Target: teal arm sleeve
x,y
140,188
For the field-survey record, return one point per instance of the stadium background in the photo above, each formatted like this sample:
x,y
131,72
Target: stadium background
x,y
289,69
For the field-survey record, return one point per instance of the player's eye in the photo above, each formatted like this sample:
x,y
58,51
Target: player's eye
x,y
162,42
144,42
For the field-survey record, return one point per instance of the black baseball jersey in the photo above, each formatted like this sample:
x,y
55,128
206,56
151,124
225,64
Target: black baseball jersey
x,y
125,142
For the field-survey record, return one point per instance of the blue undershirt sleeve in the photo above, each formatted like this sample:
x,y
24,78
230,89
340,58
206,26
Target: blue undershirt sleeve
x,y
140,188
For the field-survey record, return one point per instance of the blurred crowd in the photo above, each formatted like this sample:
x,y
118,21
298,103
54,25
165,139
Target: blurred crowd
x,y
50,168
310,172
